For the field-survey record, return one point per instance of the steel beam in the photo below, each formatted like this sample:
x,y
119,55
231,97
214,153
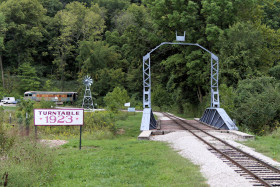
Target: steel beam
x,y
215,100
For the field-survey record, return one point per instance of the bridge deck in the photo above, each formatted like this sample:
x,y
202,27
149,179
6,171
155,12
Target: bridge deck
x,y
169,125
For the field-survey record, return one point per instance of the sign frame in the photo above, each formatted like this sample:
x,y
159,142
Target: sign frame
x,y
66,109
57,109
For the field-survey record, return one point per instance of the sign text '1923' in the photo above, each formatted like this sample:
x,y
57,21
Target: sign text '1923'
x,y
59,119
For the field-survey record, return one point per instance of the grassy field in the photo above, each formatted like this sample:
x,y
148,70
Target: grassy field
x,y
109,160
9,108
268,145
123,161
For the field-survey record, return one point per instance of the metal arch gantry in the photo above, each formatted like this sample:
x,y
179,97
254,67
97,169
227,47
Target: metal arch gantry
x,y
215,101
148,120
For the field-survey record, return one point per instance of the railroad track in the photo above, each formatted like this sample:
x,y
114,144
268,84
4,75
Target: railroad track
x,y
257,171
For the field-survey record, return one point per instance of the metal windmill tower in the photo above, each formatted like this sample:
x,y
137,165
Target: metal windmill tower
x,y
87,101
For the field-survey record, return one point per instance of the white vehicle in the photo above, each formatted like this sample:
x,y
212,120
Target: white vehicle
x,y
8,100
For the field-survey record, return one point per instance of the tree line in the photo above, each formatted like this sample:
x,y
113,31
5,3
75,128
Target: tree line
x,y
52,44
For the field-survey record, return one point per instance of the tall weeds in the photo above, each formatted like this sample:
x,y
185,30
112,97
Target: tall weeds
x,y
26,163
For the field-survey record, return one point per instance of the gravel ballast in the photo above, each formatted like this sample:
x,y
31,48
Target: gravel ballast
x,y
217,173
214,170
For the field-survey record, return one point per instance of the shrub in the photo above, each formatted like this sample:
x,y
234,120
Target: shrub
x,y
115,100
251,87
258,105
260,113
227,95
101,120
44,104
25,113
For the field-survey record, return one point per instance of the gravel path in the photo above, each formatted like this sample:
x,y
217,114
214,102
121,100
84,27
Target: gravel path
x,y
214,170
53,143
217,173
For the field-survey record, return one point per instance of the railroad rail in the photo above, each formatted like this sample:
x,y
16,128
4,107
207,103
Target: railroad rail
x,y
257,171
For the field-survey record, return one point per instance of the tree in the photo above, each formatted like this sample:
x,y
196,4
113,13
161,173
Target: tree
x,y
116,99
75,23
187,69
245,52
96,55
134,36
52,6
271,13
2,45
106,79
49,86
28,78
160,97
134,15
275,72
112,7
25,30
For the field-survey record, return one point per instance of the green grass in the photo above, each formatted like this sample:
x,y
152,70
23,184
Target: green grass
x,y
104,160
123,161
268,145
9,108
129,127
27,163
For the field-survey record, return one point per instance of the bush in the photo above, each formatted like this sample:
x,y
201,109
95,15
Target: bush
x,y
258,105
44,104
261,113
101,120
25,113
227,95
136,103
160,97
115,100
251,87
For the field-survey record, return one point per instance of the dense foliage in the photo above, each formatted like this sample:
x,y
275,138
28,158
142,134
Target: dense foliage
x,y
258,104
45,44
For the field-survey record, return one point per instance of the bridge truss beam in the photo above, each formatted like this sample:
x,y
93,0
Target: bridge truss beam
x,y
215,101
218,117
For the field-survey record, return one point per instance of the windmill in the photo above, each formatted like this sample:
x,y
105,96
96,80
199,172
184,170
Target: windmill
x,y
87,101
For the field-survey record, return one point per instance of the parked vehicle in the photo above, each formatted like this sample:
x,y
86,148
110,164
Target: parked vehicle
x,y
8,100
58,97
16,101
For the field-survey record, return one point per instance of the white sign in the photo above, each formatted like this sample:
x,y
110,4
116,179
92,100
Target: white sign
x,y
52,117
127,104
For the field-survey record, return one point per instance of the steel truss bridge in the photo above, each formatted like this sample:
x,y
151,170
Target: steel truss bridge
x,y
214,116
